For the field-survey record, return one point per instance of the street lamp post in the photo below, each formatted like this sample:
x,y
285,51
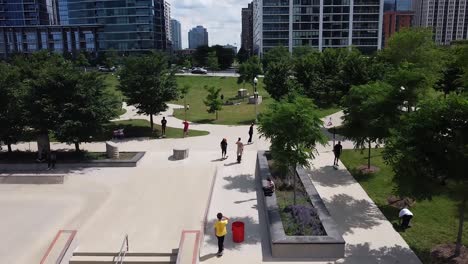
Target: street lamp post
x,y
255,80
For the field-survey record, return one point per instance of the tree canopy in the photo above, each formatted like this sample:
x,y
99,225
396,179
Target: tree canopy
x,y
148,84
213,102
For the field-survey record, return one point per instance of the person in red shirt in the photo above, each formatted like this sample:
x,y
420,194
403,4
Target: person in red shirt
x,y
186,127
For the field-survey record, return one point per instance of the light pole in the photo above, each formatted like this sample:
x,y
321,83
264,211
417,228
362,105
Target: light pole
x,y
255,80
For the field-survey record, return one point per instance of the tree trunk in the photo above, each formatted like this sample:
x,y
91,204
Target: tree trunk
x,y
77,146
369,156
216,115
151,121
460,226
9,147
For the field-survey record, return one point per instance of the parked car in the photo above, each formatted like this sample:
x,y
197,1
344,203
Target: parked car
x,y
105,69
199,71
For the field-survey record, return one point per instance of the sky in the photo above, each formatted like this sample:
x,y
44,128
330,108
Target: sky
x,y
222,19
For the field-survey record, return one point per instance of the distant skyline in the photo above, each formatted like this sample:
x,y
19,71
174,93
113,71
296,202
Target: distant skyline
x,y
222,19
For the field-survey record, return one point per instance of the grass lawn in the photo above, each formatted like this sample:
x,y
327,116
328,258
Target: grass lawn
x,y
62,156
230,114
435,222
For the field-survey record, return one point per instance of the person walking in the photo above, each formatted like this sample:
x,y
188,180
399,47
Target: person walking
x,y
224,145
186,128
240,150
337,149
163,126
51,160
251,130
405,216
221,231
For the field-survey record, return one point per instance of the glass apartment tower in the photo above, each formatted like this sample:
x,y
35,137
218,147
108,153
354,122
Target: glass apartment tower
x,y
318,23
28,12
128,25
176,35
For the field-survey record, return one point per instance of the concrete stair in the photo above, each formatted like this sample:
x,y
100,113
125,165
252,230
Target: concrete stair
x,y
130,258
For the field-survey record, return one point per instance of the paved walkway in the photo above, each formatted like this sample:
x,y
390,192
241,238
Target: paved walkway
x,y
154,202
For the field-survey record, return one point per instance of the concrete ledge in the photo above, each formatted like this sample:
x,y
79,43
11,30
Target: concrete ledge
x,y
331,246
31,179
106,163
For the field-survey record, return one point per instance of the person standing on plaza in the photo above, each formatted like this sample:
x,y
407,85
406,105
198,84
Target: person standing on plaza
x,y
163,126
240,150
251,130
221,231
337,149
186,128
224,145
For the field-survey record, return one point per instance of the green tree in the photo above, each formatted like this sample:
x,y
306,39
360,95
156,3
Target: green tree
x,y
278,81
225,56
148,84
212,101
184,91
249,70
87,106
200,56
243,55
302,51
276,54
429,151
369,112
213,61
290,146
12,112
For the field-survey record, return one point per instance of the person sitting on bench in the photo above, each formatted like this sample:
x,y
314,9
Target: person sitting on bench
x,y
269,189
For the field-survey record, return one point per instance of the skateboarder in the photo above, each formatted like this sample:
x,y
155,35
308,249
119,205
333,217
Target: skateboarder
x,y
337,149
240,150
221,231
250,133
163,127
224,145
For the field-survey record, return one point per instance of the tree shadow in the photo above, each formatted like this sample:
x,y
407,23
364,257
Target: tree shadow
x,y
363,254
244,183
350,213
245,201
331,177
251,233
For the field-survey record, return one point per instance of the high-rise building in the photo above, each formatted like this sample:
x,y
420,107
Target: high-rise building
x,y
129,26
398,5
318,23
394,21
247,28
167,17
198,36
176,35
447,18
28,12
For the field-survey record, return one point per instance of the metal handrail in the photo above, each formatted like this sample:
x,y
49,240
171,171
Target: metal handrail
x,y
119,259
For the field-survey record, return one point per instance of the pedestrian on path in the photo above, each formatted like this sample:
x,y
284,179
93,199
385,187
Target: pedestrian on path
x,y
51,160
186,128
251,129
163,126
240,150
337,149
405,217
224,145
221,231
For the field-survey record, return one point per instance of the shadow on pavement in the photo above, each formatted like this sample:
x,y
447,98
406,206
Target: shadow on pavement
x,y
207,257
251,235
244,183
363,254
245,201
350,213
330,177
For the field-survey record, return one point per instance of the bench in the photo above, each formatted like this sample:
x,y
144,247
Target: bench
x,y
180,154
119,133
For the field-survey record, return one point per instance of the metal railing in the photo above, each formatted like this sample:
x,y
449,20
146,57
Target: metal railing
x,y
119,259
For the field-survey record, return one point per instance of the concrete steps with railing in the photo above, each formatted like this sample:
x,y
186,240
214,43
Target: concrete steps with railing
x,y
130,258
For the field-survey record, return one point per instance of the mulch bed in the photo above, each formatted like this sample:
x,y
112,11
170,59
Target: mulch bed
x,y
400,202
365,170
443,254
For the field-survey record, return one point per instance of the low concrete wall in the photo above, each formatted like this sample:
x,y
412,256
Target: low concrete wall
x,y
330,246
7,167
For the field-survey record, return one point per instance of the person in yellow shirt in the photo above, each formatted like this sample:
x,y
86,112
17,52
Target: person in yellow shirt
x,y
221,231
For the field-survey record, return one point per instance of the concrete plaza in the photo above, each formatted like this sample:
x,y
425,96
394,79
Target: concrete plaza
x,y
155,201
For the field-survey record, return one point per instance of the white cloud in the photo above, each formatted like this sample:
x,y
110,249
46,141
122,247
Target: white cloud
x,y
222,19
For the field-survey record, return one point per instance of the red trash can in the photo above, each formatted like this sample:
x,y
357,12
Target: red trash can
x,y
238,232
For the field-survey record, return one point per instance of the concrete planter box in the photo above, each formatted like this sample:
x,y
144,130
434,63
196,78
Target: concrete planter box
x,y
330,246
109,163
